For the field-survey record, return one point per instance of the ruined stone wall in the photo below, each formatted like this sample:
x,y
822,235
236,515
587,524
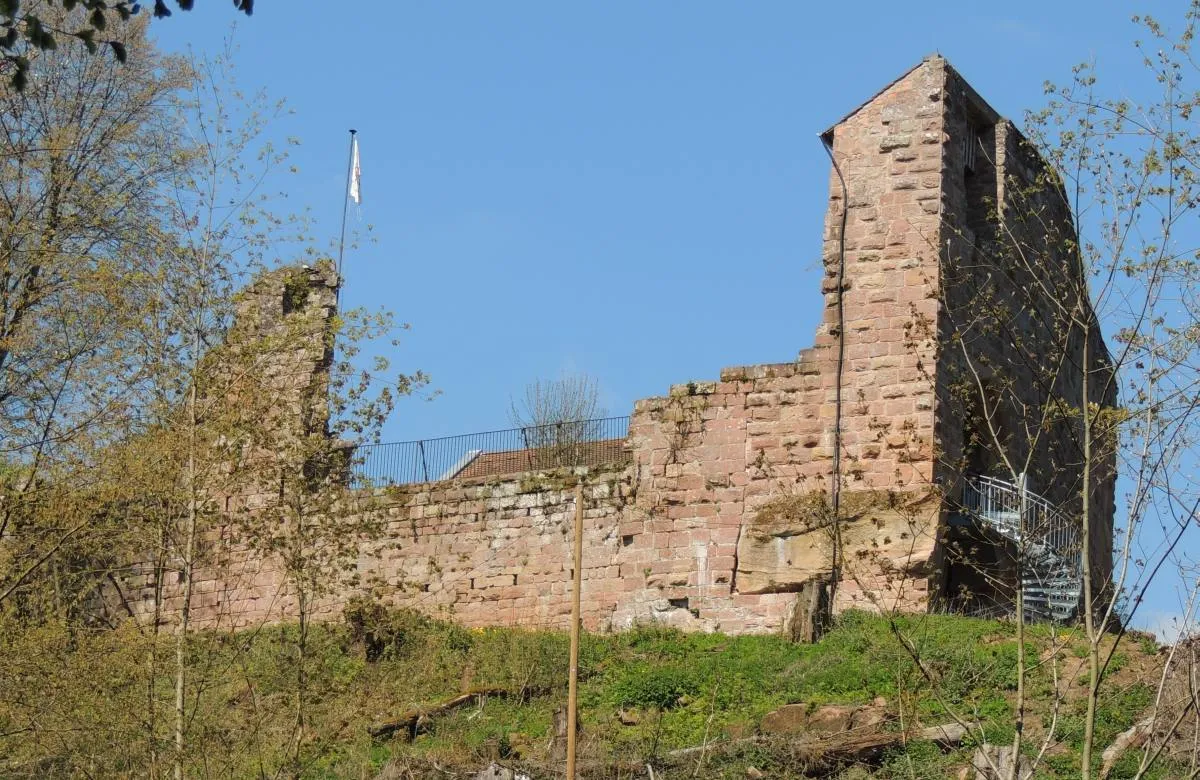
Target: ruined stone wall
x,y
731,506
486,551
499,551
722,512
699,529
281,332
734,476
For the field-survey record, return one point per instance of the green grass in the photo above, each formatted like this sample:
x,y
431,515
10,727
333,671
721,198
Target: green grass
x,y
682,690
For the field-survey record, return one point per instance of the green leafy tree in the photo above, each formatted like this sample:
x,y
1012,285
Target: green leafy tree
x,y
136,407
79,212
35,26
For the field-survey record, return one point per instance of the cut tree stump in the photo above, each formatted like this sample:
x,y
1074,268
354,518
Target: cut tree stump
x,y
558,745
811,615
995,762
409,721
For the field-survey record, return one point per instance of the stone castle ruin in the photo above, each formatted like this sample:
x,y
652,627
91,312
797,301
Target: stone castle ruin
x,y
717,512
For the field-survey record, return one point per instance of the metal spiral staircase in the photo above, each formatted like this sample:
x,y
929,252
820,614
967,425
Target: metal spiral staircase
x,y
1046,540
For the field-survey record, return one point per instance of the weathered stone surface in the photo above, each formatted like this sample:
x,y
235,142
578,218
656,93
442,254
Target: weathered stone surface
x,y
663,612
891,142
788,719
781,563
894,542
831,719
715,523
871,717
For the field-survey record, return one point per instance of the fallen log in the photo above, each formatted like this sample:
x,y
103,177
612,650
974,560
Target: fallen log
x,y
408,722
713,746
826,752
1133,737
834,751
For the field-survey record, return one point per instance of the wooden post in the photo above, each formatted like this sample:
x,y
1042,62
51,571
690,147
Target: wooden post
x,y
573,683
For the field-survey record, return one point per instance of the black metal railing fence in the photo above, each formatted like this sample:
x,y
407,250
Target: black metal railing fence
x,y
558,445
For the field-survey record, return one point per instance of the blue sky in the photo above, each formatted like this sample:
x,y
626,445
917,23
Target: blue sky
x,y
633,190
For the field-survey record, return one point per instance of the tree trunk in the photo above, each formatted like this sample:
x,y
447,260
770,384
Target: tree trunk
x,y
189,548
812,613
1085,564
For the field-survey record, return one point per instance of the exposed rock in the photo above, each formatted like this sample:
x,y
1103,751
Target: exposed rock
x,y
628,717
790,545
870,717
831,719
781,562
827,719
788,719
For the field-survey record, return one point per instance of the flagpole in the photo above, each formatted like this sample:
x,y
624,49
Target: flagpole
x,y
345,209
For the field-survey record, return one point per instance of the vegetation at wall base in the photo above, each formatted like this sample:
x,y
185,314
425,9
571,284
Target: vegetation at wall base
x,y
645,694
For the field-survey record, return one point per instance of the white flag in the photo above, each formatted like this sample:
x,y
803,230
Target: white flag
x,y
355,173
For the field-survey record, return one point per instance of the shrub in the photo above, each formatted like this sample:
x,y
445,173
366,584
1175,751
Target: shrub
x,y
644,684
381,632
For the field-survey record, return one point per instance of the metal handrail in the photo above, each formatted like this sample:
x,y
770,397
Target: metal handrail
x,y
1020,513
1048,540
561,444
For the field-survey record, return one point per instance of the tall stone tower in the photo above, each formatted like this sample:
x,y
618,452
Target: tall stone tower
x,y
964,317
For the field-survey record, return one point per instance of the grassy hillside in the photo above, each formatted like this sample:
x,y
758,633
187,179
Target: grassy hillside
x,y
77,703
